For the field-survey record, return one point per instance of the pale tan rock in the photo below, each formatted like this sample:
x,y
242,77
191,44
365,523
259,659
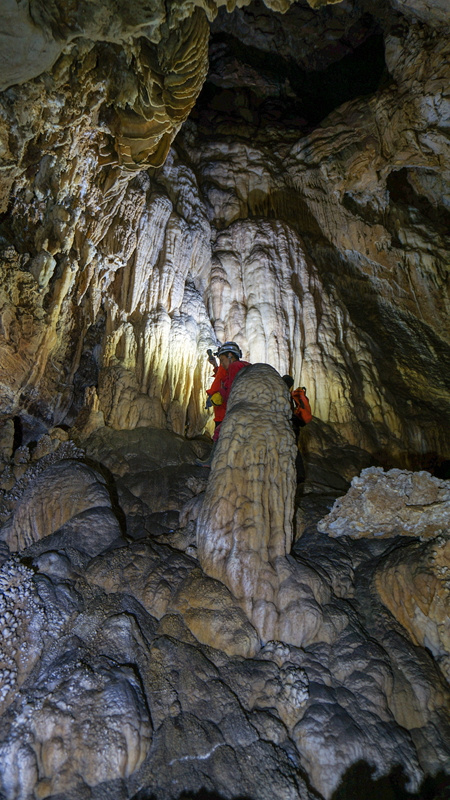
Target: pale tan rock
x,y
414,584
358,689
145,450
59,433
123,405
133,257
206,734
91,532
170,78
90,417
40,36
296,248
385,504
33,50
286,689
244,530
150,573
44,446
212,614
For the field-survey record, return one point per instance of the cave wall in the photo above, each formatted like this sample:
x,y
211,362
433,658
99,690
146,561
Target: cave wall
x,y
321,249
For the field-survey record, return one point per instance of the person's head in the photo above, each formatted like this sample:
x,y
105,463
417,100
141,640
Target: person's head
x,y
289,381
228,353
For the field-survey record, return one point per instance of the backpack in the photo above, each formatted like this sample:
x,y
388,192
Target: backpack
x,y
302,408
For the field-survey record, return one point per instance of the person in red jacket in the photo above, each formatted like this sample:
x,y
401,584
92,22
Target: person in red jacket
x,y
301,415
230,360
220,375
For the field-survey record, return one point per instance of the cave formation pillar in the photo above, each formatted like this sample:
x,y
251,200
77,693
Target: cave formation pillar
x,y
244,532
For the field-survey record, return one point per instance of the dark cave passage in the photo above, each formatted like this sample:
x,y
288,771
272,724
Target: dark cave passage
x,y
264,90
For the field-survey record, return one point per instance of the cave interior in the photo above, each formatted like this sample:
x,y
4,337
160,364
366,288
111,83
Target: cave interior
x,y
173,176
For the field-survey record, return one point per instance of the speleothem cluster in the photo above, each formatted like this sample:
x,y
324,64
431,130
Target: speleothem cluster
x,y
166,631
22,619
245,532
135,659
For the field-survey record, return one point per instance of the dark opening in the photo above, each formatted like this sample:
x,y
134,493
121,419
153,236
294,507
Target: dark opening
x,y
402,194
18,433
304,97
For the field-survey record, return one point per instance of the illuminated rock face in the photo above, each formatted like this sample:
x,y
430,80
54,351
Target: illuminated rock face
x,y
165,92
140,673
329,266
161,56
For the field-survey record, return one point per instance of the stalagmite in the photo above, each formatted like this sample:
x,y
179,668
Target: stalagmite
x,y
244,532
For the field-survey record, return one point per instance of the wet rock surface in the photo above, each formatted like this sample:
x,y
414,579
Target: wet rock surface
x,y
244,530
319,241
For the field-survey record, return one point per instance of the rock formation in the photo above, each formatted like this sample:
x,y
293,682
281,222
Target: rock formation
x,y
412,580
174,175
393,503
413,585
118,638
123,280
244,531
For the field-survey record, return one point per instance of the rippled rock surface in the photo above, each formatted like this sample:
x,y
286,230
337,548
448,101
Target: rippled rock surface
x,y
126,670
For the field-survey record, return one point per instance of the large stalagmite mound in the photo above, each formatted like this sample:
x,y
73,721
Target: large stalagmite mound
x,y
175,175
244,531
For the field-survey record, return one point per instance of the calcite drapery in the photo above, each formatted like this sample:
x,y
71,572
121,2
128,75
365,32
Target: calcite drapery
x,y
166,61
244,531
328,246
413,579
170,78
47,505
413,583
332,268
33,35
83,703
99,626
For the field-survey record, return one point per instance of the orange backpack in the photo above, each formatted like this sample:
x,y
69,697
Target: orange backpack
x,y
302,408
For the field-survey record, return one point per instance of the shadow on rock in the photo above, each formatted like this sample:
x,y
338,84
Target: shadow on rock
x,y
203,794
358,782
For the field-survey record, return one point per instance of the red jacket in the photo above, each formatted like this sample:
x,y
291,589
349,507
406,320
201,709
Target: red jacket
x,y
219,377
225,389
232,371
